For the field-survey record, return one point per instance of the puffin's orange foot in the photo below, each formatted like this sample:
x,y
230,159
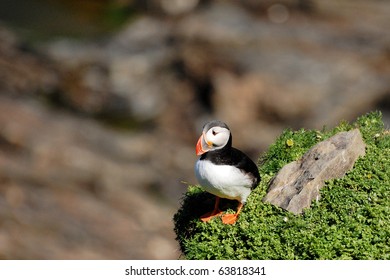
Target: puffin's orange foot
x,y
229,219
208,216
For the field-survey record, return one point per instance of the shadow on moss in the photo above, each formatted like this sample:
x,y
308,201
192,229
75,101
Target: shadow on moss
x,y
195,203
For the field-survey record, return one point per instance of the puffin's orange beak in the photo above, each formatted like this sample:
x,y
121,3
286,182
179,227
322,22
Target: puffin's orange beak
x,y
202,146
199,149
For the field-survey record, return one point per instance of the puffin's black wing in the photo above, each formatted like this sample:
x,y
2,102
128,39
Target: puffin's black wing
x,y
243,162
236,158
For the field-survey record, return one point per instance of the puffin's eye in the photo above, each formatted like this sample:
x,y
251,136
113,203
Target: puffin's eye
x,y
214,132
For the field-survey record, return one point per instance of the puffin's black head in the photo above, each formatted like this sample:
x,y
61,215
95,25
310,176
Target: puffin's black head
x,y
215,135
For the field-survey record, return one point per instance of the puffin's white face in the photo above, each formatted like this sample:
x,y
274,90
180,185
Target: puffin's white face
x,y
212,138
217,136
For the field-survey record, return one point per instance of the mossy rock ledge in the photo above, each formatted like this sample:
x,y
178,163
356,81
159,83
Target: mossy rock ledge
x,y
351,220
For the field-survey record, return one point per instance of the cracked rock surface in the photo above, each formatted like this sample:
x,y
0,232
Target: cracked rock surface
x,y
298,183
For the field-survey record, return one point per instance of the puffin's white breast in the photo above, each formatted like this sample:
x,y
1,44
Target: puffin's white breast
x,y
225,181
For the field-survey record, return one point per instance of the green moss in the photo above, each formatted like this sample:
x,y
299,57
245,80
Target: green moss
x,y
350,221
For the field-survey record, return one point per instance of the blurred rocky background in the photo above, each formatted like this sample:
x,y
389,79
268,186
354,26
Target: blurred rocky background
x,y
102,102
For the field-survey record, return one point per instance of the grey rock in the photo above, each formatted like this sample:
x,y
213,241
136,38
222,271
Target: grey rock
x,y
298,183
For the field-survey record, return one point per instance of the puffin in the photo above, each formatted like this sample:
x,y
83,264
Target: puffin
x,y
222,170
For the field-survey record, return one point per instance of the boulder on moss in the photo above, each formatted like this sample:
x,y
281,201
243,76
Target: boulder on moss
x,y
298,183
351,221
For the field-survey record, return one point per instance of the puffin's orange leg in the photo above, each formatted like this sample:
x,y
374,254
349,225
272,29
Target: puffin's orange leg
x,y
230,219
216,212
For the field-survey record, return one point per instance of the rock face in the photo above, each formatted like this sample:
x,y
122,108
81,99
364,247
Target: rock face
x,y
299,182
73,189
